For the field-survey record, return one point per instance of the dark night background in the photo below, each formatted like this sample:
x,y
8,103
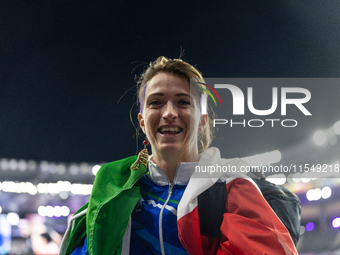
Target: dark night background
x,y
67,78
67,68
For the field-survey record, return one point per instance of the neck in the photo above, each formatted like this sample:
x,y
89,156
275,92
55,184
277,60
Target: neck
x,y
168,163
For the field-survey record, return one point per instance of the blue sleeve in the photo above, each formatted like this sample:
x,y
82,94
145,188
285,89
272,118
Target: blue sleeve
x,y
81,249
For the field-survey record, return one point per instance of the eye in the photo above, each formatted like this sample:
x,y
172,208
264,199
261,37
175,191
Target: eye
x,y
184,102
154,103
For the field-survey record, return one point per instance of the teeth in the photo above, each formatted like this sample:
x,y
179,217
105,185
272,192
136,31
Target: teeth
x,y
170,129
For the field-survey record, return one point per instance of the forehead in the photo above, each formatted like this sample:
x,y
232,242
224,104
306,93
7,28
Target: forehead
x,y
167,83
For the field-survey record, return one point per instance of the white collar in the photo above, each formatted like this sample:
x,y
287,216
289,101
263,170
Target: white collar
x,y
186,170
182,176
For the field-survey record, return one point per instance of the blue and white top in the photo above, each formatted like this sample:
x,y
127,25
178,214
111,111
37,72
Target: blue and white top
x,y
154,219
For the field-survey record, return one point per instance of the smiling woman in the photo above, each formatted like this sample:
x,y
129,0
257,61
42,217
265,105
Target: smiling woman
x,y
149,204
180,69
166,121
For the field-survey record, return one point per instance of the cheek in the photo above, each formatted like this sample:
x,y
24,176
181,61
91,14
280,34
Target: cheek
x,y
150,119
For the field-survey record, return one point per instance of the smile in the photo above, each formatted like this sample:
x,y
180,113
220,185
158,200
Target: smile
x,y
170,130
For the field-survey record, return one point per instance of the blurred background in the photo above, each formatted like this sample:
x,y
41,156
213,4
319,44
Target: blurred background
x,y
67,72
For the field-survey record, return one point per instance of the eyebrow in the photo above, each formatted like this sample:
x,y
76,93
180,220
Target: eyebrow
x,y
162,94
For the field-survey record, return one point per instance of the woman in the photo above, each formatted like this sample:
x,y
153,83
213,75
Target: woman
x,y
140,207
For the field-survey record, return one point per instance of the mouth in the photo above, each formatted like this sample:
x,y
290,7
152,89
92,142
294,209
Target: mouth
x,y
171,130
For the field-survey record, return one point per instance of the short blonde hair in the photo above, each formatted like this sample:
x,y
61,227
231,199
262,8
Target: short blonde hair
x,y
186,71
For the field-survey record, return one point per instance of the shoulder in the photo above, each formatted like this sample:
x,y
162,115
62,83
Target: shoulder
x,y
115,169
243,183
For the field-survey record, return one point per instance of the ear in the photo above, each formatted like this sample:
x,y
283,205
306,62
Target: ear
x,y
141,122
203,122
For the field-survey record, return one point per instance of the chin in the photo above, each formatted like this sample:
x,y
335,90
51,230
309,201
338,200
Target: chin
x,y
171,147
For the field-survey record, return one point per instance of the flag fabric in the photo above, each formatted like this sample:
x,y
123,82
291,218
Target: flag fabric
x,y
249,225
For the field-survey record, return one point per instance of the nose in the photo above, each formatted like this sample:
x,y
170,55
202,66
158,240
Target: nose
x,y
169,111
